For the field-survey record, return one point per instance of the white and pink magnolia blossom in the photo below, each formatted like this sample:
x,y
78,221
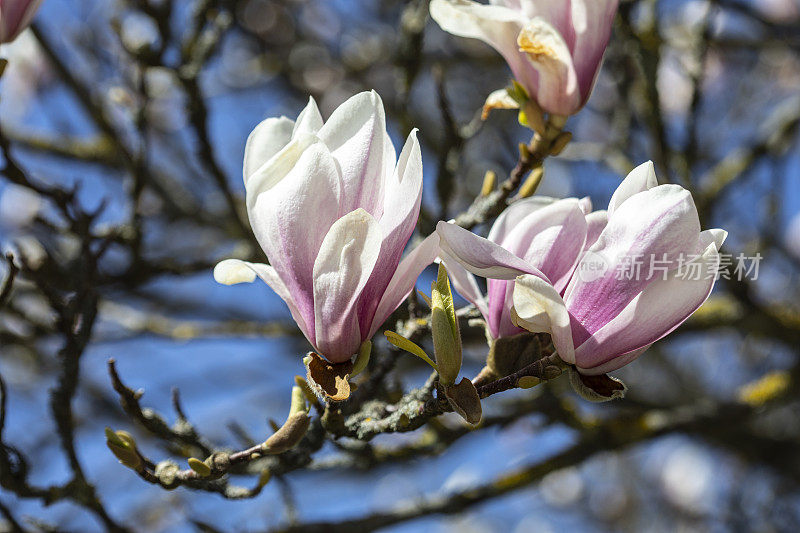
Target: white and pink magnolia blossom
x,y
15,16
602,320
553,47
548,234
333,208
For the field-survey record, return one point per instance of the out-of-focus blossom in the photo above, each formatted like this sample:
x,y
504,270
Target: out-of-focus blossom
x,y
548,234
18,206
610,312
553,48
15,16
26,74
778,10
333,209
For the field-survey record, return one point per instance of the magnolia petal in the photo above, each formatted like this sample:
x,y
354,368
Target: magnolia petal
x,y
345,262
661,223
586,205
511,216
464,283
556,13
309,120
281,216
660,308
551,239
500,301
276,168
596,222
615,363
403,193
717,236
641,178
539,308
232,271
591,22
549,54
481,256
266,140
499,99
356,135
404,279
497,26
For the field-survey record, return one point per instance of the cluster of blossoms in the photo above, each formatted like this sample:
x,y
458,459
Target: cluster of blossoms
x,y
598,323
333,208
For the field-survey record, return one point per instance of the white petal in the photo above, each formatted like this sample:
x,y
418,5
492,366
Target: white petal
x,y
291,218
592,21
266,140
233,271
495,25
596,222
481,256
356,135
276,168
344,265
309,120
718,236
539,309
403,196
403,191
513,214
586,205
641,178
545,48
499,99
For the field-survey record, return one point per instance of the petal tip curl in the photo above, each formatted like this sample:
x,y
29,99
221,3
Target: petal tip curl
x,y
233,271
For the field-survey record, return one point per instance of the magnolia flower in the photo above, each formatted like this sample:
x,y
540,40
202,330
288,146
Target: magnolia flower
x,y
15,16
553,47
333,209
548,234
606,316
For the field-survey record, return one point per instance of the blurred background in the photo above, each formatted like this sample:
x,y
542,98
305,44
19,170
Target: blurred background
x,y
123,129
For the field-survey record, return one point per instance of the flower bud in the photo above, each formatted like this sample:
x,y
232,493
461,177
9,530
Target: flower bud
x,y
123,446
444,328
295,427
560,142
489,183
532,183
202,469
553,48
